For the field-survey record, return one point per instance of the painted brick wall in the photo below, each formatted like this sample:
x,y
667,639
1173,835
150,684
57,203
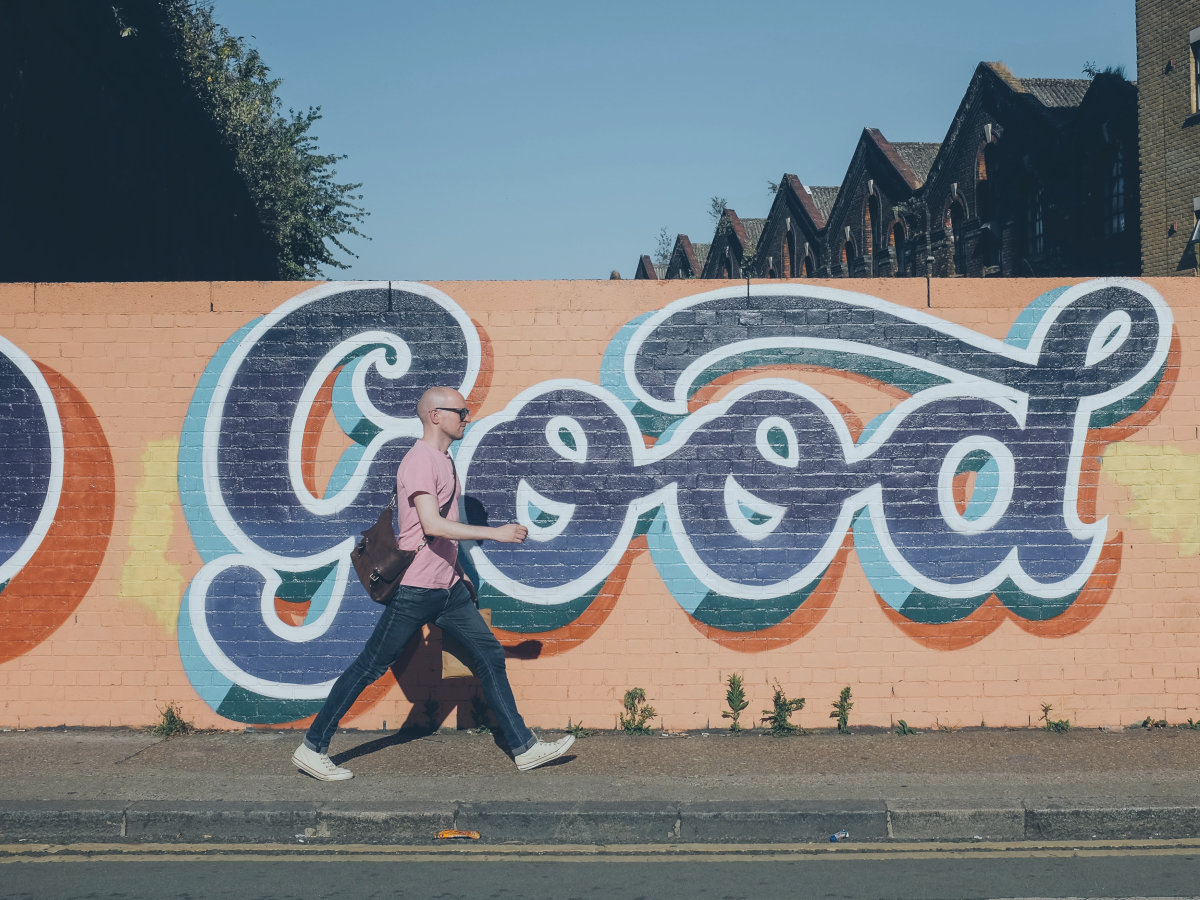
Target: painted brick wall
x,y
803,485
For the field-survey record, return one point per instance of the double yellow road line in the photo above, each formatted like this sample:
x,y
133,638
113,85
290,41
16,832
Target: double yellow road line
x,y
631,853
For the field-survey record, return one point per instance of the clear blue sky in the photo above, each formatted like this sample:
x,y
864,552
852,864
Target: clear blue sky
x,y
553,140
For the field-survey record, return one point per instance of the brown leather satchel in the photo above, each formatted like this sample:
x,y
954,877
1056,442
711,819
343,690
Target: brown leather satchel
x,y
379,561
381,564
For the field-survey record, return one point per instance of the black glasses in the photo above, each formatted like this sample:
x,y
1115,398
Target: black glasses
x,y
462,413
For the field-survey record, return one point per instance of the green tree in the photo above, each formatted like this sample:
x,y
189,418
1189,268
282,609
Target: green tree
x,y
301,206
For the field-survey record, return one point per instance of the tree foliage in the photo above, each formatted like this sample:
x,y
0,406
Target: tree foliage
x,y
666,243
301,206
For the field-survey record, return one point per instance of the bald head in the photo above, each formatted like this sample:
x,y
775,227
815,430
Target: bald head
x,y
435,397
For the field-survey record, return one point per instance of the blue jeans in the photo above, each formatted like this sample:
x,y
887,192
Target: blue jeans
x,y
451,610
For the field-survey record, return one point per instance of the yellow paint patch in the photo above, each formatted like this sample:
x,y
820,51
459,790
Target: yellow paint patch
x,y
148,577
1164,483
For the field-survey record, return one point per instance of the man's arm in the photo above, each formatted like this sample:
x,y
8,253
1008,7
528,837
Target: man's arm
x,y
435,526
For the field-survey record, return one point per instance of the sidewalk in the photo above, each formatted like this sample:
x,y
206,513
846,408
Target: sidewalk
x,y
84,785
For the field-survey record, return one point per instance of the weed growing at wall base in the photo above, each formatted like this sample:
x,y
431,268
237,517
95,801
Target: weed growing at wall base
x,y
637,713
841,710
1054,724
479,715
170,722
577,731
736,698
903,729
780,717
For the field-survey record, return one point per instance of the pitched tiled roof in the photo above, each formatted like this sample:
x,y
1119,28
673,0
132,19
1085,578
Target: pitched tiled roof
x,y
1057,92
701,251
918,156
754,230
824,197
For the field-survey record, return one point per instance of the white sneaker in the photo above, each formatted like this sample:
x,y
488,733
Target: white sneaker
x,y
318,765
542,752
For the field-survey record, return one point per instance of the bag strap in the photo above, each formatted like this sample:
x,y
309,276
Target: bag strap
x,y
445,509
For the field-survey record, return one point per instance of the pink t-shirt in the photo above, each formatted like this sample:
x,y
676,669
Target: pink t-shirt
x,y
426,470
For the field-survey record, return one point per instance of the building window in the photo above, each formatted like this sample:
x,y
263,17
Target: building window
x,y
872,223
1196,214
898,245
847,257
810,267
1114,195
956,235
791,265
1034,223
989,246
1194,39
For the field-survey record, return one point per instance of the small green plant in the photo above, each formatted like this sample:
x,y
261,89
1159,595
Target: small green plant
x,y
1058,725
735,696
1152,722
780,718
841,710
431,711
170,722
903,729
578,731
637,713
479,715
1190,725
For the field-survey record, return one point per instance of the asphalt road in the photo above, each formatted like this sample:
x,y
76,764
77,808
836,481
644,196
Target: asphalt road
x,y
946,872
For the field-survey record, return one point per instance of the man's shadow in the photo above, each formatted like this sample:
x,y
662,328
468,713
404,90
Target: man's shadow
x,y
418,671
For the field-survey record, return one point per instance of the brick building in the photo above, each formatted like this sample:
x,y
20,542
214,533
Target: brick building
x,y
649,270
734,242
1026,175
1168,52
791,245
1033,178
865,237
687,259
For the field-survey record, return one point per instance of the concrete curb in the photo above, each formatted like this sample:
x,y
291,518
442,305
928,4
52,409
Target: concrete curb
x,y
594,822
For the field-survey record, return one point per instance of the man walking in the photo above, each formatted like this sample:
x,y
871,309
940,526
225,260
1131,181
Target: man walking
x,y
432,590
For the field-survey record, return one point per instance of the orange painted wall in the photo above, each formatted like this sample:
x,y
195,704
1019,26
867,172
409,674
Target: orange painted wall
x,y
123,361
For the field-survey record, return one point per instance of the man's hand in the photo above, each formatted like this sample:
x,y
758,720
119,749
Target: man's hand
x,y
510,534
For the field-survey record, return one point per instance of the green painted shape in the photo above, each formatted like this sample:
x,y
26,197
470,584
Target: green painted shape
x,y
299,587
1030,608
908,379
545,519
778,441
645,520
737,614
931,610
364,432
529,618
1115,412
564,435
246,706
651,422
